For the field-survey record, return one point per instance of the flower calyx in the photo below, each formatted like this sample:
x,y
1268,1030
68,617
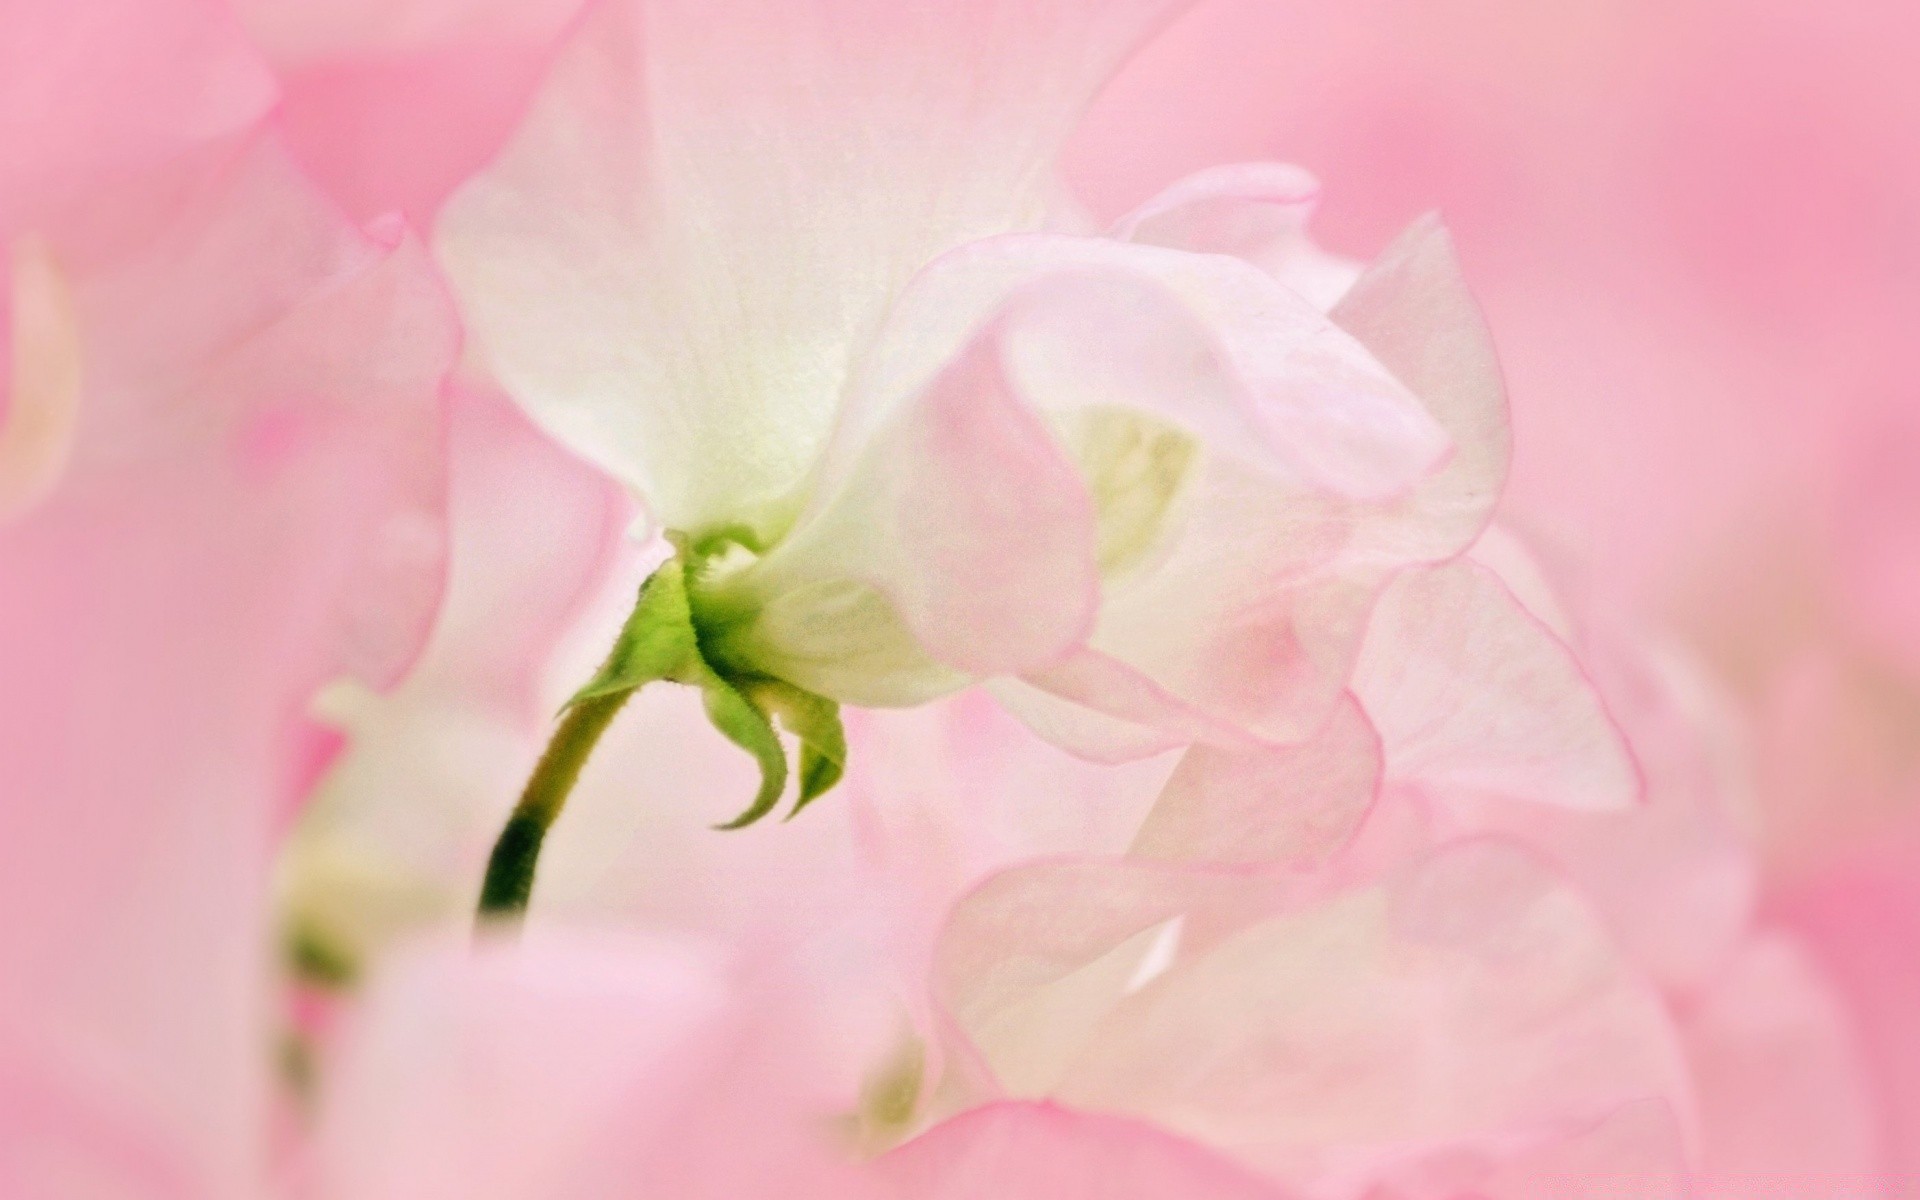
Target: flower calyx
x,y
671,636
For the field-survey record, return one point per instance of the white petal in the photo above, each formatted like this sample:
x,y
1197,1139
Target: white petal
x,y
713,201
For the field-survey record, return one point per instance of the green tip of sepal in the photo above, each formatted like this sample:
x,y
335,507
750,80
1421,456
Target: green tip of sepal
x,y
747,726
818,774
814,722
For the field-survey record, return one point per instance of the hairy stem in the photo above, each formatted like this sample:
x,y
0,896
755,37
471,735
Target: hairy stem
x,y
516,854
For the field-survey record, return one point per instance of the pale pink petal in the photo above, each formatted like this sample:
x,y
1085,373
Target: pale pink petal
x,y
571,1066
711,204
945,492
1325,1036
221,544
1412,310
1255,211
1676,876
1087,732
961,533
1250,617
98,90
397,830
1254,614
1107,690
391,106
1203,341
1860,919
1032,961
1785,1104
1042,1152
1286,806
1471,694
935,799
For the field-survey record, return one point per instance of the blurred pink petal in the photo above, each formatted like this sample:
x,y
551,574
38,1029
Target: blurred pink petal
x,y
396,832
1785,1105
391,106
97,91
573,1066
250,510
1041,1152
1860,920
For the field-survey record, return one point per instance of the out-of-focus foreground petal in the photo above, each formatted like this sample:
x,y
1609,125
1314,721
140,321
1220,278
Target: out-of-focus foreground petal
x,y
390,106
99,91
397,831
1014,1151
575,1066
250,507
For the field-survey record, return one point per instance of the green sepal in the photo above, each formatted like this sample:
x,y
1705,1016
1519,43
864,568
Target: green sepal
x,y
747,726
814,721
656,643
660,642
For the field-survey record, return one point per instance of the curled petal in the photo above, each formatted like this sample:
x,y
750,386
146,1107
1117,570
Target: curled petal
x,y
962,520
1471,694
1327,1036
1256,607
949,481
1205,342
1254,211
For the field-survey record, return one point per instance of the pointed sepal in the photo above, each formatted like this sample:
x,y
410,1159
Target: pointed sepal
x,y
814,721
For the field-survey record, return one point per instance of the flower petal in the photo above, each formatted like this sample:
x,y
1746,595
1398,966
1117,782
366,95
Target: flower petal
x,y
1786,1108
1411,308
1471,694
1254,211
97,92
1325,1036
712,203
1150,364
1254,613
1040,1152
962,524
1290,806
242,523
571,1066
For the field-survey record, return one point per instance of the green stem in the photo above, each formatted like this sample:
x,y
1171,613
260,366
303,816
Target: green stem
x,y
510,869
